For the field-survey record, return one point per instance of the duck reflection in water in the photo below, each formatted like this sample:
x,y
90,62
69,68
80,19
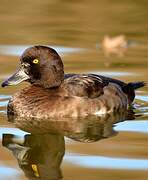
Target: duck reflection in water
x,y
40,153
39,156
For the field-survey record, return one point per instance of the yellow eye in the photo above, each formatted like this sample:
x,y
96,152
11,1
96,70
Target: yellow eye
x,y
35,61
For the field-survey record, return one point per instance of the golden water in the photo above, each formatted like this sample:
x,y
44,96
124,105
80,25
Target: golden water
x,y
76,29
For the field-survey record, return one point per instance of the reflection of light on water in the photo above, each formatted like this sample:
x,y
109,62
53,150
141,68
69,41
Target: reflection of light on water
x,y
135,126
17,50
3,102
8,173
4,96
114,73
106,162
143,98
15,131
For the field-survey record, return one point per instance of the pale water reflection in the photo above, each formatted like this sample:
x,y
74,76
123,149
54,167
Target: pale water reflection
x,y
15,131
106,162
114,73
12,175
144,98
133,126
17,50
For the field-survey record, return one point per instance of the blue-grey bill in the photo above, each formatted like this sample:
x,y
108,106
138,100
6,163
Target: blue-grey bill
x,y
16,78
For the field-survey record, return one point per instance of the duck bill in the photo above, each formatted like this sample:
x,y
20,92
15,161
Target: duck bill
x,y
16,78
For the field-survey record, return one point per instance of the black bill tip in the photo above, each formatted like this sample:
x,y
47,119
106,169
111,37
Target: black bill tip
x,y
4,84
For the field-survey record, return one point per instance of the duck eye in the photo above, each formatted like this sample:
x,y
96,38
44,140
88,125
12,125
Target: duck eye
x,y
35,61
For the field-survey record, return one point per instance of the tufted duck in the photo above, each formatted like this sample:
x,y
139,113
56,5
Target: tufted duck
x,y
53,94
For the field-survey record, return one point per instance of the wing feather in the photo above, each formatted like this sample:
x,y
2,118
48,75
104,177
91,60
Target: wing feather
x,y
87,85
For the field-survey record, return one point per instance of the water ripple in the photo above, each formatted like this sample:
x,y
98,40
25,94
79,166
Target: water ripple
x,y
133,126
114,73
3,103
106,162
8,173
16,131
16,50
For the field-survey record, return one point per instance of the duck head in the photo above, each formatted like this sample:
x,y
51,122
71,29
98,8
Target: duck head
x,y
39,65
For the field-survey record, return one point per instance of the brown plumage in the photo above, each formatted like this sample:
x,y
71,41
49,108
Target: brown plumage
x,y
53,94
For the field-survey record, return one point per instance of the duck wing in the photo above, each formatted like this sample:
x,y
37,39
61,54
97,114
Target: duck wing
x,y
84,85
91,85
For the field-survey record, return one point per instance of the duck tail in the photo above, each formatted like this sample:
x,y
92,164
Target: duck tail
x,y
137,85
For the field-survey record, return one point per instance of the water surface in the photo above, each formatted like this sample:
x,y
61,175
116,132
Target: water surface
x,y
90,151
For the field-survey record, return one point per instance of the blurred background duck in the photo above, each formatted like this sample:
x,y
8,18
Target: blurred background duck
x,y
115,45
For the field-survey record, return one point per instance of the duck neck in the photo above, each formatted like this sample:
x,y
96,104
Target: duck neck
x,y
54,80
